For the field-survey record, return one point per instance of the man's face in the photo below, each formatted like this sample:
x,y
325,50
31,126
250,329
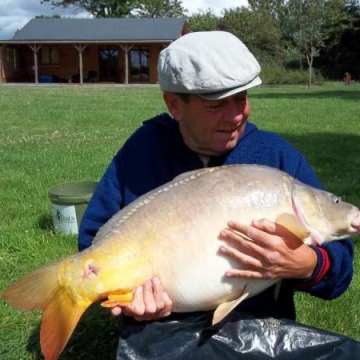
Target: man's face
x,y
212,127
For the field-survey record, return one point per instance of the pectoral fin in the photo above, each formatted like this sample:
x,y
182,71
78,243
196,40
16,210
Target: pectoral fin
x,y
225,308
120,298
291,223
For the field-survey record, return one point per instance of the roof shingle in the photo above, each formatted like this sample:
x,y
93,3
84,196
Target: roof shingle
x,y
101,29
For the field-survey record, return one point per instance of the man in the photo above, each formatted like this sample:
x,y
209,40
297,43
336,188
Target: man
x,y
204,77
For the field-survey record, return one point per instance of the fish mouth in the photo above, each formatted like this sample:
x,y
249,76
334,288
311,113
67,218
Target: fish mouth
x,y
355,224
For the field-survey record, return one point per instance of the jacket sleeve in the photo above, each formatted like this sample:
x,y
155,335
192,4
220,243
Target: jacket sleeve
x,y
106,200
334,269
333,272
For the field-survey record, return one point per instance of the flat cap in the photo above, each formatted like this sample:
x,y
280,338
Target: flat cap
x,y
211,64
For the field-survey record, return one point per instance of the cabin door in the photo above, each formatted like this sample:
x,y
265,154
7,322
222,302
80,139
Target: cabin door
x,y
109,64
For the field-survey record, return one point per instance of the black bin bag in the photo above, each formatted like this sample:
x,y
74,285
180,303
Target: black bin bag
x,y
240,336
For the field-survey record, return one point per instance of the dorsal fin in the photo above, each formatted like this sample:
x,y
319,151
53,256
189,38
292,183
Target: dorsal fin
x,y
191,174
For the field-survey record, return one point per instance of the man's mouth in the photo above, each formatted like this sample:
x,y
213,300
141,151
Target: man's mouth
x,y
230,130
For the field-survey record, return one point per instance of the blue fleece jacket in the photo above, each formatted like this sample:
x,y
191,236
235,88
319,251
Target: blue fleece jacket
x,y
156,153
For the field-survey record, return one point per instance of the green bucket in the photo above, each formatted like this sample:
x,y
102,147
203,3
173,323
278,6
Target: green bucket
x,y
68,203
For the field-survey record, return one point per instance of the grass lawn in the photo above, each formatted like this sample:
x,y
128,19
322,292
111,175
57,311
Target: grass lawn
x,y
53,134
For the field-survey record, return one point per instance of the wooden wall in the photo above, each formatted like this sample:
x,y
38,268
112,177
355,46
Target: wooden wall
x,y
67,69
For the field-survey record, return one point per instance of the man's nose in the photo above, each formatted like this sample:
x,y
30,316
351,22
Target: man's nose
x,y
235,110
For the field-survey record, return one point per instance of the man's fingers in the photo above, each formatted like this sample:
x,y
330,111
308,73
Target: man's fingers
x,y
267,250
292,240
251,267
265,225
247,274
259,230
166,311
137,307
243,257
158,291
242,246
116,311
150,302
248,232
149,298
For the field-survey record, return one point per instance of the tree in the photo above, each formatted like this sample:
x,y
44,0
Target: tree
x,y
159,8
304,22
204,21
256,29
125,8
341,52
269,7
99,8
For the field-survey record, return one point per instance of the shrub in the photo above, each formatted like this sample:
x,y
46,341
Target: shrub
x,y
278,75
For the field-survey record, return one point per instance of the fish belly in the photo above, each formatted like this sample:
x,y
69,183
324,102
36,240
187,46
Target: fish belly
x,y
193,271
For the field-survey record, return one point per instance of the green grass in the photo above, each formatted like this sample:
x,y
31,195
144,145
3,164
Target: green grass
x,y
53,134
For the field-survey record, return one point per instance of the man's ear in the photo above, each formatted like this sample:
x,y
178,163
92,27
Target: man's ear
x,y
174,104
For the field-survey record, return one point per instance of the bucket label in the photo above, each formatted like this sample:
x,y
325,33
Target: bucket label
x,y
64,219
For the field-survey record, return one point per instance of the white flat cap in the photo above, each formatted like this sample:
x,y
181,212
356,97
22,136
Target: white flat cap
x,y
211,64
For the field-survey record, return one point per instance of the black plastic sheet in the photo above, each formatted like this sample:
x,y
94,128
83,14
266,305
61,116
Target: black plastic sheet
x,y
238,336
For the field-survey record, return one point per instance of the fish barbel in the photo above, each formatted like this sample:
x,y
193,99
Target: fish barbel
x,y
172,232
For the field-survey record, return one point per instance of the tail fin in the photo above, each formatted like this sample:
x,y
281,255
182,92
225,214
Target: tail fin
x,y
41,290
33,290
59,320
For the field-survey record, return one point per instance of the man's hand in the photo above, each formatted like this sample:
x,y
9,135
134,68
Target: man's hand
x,y
150,302
273,252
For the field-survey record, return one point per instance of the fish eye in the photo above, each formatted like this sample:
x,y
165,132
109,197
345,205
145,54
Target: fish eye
x,y
336,199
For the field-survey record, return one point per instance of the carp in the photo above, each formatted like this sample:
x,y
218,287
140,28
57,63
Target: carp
x,y
172,232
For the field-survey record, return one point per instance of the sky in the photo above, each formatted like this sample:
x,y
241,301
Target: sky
x,y
14,14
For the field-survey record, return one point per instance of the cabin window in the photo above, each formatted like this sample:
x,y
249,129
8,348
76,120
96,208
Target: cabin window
x,y
12,58
49,55
139,65
109,63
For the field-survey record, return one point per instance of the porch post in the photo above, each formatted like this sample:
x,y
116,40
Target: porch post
x,y
1,69
126,49
80,49
35,48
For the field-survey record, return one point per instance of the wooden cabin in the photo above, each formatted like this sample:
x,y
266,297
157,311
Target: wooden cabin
x,y
104,50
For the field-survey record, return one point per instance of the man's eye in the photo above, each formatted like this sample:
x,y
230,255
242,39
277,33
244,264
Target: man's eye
x,y
214,106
